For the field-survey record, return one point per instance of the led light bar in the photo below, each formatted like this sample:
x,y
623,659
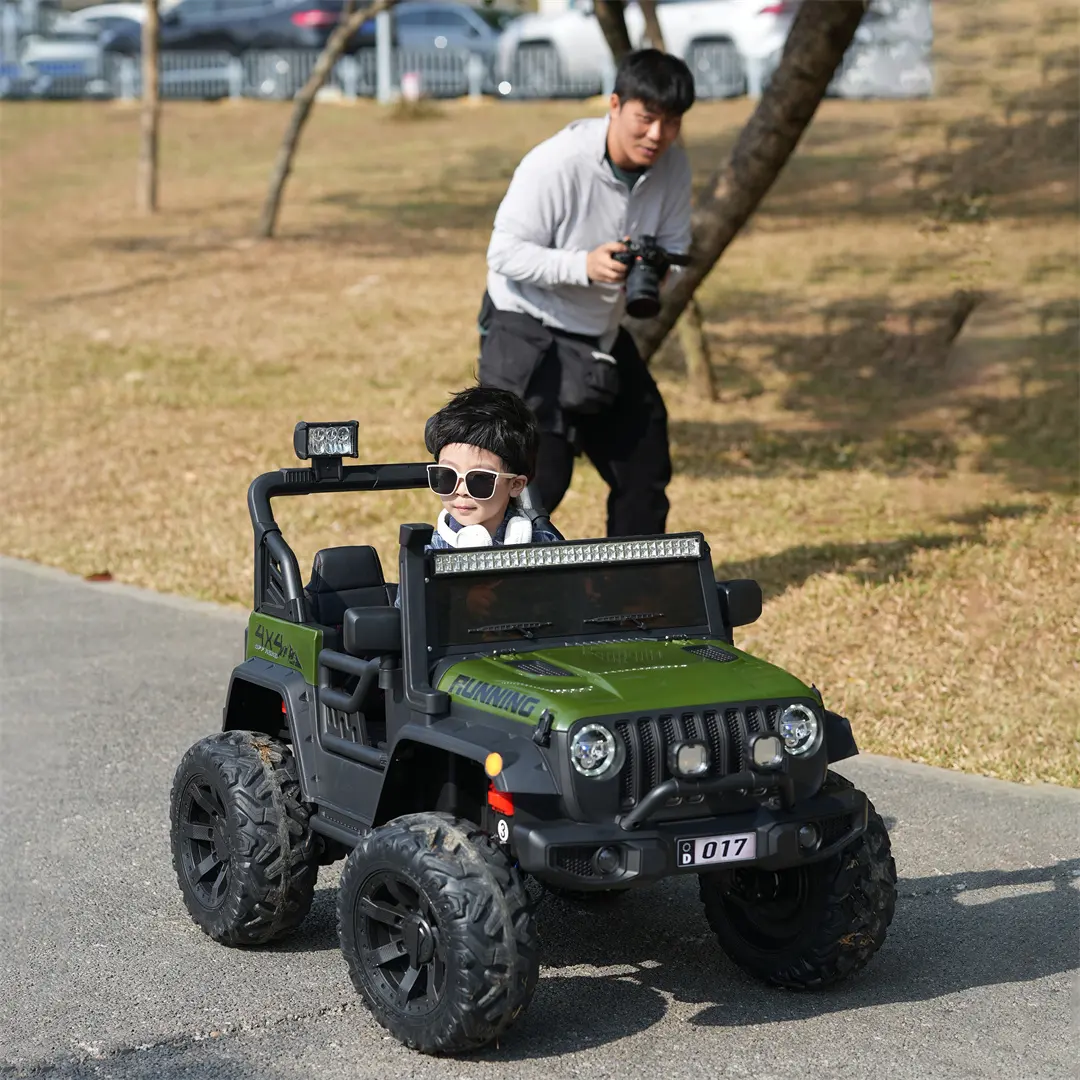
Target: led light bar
x,y
572,554
326,440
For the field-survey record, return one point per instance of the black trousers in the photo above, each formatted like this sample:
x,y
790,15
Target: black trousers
x,y
627,442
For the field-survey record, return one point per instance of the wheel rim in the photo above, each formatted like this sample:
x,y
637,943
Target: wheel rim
x,y
768,908
204,842
537,72
709,64
400,944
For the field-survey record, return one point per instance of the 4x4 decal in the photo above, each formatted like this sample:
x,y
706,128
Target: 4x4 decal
x,y
501,697
274,647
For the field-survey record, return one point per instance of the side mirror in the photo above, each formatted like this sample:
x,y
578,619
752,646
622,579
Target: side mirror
x,y
371,631
740,601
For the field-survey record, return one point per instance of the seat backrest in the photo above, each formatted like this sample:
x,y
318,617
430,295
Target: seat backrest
x,y
344,577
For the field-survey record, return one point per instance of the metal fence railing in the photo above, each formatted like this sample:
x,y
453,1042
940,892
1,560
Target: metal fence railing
x,y
279,73
885,61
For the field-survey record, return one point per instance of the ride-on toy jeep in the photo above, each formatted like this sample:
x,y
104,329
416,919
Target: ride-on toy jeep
x,y
573,715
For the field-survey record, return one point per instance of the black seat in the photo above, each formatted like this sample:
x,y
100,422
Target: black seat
x,y
344,577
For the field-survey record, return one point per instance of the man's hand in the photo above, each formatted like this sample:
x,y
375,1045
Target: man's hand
x,y
602,267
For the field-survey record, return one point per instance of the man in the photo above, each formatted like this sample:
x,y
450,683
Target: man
x,y
550,321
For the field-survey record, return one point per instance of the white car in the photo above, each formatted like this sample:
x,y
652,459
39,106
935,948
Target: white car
x,y
731,46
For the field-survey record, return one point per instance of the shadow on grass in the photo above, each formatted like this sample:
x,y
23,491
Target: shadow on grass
x,y
874,562
886,391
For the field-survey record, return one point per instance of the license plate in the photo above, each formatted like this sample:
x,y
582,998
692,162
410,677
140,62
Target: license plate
x,y
707,850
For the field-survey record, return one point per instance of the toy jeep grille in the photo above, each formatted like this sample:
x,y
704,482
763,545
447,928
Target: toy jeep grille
x,y
711,652
538,667
647,738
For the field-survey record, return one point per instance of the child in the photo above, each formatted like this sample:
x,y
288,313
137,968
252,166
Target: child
x,y
484,442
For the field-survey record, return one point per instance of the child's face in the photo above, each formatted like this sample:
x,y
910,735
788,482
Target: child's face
x,y
461,505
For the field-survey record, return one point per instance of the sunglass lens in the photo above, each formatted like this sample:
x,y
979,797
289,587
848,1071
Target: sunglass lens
x,y
481,484
442,479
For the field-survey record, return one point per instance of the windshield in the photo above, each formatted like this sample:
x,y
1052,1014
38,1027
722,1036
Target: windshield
x,y
496,19
629,598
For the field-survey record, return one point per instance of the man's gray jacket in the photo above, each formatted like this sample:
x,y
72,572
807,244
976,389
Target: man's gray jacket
x,y
563,201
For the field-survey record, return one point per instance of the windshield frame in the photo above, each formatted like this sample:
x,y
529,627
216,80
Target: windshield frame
x,y
710,625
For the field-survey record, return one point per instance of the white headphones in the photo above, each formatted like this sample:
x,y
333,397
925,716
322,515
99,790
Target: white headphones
x,y
518,531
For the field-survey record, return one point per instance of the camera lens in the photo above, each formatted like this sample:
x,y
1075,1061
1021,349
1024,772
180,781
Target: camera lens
x,y
642,290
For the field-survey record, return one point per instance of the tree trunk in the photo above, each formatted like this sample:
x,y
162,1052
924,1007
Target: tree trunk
x,y
609,14
819,37
652,25
147,179
335,46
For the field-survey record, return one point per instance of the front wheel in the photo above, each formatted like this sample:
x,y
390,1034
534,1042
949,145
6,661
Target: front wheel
x,y
810,926
437,932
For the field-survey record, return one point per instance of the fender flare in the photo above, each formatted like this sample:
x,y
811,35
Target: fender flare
x,y
839,739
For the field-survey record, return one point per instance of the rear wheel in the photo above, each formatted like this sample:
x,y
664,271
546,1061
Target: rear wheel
x,y
809,926
242,851
717,68
536,71
437,932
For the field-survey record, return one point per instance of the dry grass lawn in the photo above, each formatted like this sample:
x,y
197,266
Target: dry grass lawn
x,y
909,502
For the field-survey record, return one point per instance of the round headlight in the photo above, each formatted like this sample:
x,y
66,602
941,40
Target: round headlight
x,y
592,750
799,728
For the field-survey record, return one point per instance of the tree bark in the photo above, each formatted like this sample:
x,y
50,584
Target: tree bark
x,y
819,37
335,46
609,14
652,25
146,186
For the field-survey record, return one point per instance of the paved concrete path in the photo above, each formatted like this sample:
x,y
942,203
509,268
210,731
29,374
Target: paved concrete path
x,y
103,688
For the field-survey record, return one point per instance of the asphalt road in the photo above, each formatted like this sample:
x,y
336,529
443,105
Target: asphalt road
x,y
103,688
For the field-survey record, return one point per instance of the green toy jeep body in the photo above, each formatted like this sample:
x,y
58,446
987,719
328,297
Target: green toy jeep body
x,y
578,709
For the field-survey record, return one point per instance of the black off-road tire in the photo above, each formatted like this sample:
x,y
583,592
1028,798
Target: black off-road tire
x,y
437,886
242,851
817,924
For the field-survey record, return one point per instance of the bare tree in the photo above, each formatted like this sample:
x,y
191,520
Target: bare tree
x,y
609,14
146,185
351,21
652,25
819,37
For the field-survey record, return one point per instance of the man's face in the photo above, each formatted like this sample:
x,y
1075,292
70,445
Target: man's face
x,y
639,134
461,505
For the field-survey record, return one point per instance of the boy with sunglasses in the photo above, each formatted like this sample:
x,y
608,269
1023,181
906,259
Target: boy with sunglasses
x,y
484,441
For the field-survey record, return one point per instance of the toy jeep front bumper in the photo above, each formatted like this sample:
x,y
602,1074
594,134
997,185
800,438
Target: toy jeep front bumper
x,y
590,855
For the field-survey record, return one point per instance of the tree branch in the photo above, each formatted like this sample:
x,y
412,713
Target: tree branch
x,y
335,46
652,24
146,182
609,14
819,37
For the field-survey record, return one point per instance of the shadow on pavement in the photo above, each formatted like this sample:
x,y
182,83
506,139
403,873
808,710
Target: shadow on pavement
x,y
951,933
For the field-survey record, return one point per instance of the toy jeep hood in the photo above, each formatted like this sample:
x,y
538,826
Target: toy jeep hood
x,y
576,681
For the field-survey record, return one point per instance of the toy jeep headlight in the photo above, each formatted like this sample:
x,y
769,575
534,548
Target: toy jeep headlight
x,y
800,729
335,440
593,750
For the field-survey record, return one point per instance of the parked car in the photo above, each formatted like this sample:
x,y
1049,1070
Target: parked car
x,y
729,45
238,25
426,24
65,64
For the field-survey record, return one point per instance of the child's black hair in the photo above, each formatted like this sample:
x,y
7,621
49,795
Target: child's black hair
x,y
660,80
495,420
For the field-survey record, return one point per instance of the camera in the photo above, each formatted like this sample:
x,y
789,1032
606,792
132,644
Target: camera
x,y
648,263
